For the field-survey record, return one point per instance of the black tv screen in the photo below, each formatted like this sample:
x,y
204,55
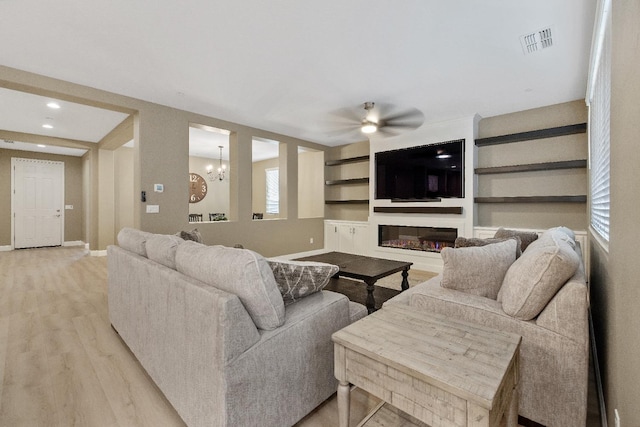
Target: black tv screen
x,y
426,172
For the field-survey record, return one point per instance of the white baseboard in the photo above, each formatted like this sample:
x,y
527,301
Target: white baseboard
x,y
74,243
98,253
6,248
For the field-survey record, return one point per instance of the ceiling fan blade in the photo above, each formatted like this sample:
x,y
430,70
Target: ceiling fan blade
x,y
387,132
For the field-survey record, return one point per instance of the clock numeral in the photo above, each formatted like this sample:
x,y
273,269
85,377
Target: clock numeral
x,y
193,198
204,187
193,177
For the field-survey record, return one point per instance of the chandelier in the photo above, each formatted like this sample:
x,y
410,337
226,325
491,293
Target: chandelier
x,y
222,169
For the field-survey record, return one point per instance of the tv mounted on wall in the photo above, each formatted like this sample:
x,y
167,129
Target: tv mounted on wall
x,y
423,173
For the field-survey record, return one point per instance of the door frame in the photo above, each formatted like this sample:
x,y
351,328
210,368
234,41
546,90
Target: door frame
x,y
15,160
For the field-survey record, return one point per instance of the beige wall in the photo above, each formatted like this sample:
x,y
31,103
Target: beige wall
x,y
161,156
311,184
615,288
124,196
73,184
539,183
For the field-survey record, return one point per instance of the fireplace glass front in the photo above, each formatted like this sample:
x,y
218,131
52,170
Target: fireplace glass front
x,y
428,239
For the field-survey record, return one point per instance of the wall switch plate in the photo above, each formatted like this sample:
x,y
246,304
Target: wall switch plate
x,y
311,241
153,208
68,207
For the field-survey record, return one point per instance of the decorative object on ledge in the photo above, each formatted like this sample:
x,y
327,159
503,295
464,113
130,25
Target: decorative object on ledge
x,y
533,199
218,216
531,135
347,160
221,169
346,202
533,167
348,181
455,210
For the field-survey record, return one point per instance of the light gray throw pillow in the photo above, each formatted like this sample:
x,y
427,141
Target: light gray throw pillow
x,y
536,276
478,270
297,279
238,271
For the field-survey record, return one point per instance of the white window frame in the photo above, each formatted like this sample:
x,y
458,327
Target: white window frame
x,y
599,102
272,202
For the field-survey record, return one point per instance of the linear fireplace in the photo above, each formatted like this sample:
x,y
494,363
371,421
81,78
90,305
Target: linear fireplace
x,y
428,239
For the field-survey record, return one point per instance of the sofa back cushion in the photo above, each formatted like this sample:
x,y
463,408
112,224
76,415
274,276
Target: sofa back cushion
x,y
133,240
526,237
478,270
238,271
536,276
161,248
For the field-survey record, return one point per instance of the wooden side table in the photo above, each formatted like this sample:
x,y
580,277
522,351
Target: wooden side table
x,y
441,371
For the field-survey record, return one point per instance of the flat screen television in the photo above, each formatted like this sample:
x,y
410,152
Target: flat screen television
x,y
423,173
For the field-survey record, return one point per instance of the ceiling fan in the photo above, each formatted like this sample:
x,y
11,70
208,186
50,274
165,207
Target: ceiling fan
x,y
380,118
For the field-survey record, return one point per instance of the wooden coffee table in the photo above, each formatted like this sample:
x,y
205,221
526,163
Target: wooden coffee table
x,y
439,370
367,269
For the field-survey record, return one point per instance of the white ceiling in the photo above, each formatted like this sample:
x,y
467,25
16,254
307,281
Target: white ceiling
x,y
292,66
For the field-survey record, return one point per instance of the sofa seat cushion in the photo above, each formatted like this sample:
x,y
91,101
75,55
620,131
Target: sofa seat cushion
x,y
478,270
536,276
297,279
161,248
239,271
133,240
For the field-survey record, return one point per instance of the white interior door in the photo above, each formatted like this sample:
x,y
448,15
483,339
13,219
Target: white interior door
x,y
37,202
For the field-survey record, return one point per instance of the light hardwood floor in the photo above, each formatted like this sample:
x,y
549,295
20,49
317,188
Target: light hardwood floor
x,y
61,363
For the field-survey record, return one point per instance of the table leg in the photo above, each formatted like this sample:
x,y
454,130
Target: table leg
x,y
512,411
405,282
371,301
343,404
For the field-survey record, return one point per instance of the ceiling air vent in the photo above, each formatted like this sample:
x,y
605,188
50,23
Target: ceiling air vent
x,y
537,40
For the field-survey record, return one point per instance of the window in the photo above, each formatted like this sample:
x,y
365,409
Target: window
x,y
273,191
598,100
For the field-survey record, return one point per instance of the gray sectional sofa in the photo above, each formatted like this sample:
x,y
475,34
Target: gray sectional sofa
x,y
209,326
542,296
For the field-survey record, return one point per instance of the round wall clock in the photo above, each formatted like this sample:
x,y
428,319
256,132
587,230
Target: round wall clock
x,y
197,188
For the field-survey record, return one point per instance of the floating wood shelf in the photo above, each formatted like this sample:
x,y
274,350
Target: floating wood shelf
x,y
531,135
346,202
569,164
347,160
532,199
348,181
456,210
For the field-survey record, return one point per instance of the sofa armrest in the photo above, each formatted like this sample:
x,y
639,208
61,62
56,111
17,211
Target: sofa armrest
x,y
290,370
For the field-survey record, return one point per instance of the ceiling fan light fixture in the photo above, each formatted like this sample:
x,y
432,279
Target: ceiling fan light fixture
x,y
369,126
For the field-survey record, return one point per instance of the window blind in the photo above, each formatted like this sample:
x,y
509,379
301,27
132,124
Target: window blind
x,y
599,101
273,190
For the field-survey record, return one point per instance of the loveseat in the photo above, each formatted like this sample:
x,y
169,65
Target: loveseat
x,y
540,294
210,327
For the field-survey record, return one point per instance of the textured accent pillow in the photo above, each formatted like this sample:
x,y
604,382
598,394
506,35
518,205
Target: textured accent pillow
x,y
194,235
238,271
469,242
161,248
133,240
536,276
478,270
526,237
297,279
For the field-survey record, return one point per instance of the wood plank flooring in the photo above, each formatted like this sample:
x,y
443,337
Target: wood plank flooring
x,y
61,363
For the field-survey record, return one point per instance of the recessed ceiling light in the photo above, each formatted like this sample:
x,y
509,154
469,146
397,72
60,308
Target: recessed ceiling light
x,y
47,126
42,146
53,105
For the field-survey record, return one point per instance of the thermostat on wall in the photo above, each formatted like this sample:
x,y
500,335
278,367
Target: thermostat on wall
x,y
158,188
